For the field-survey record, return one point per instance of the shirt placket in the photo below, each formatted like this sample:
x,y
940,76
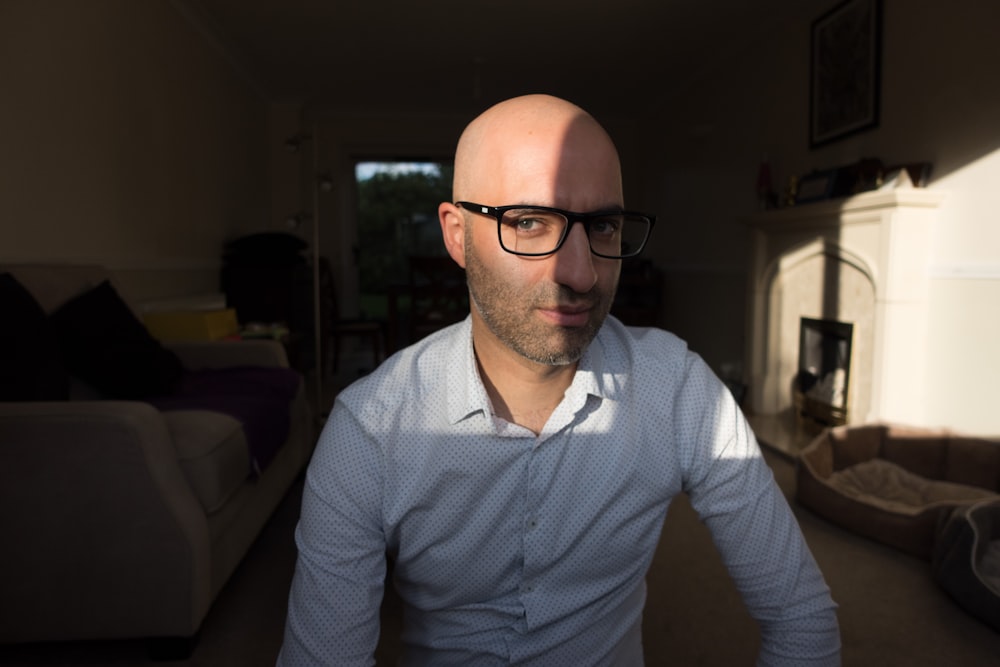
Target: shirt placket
x,y
533,534
541,510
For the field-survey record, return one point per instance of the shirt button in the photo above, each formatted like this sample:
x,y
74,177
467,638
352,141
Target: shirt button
x,y
532,523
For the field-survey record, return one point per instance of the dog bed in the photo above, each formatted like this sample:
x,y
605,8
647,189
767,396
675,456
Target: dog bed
x,y
966,560
896,484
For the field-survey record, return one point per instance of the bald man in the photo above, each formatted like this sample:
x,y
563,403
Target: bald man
x,y
517,467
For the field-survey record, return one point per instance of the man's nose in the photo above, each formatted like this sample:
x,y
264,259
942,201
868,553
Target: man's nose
x,y
574,263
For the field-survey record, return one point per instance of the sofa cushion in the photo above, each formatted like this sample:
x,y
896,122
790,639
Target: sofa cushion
x,y
29,353
260,398
213,453
106,345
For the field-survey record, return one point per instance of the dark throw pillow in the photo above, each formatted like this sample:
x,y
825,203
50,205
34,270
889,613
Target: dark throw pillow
x,y
30,368
275,249
105,344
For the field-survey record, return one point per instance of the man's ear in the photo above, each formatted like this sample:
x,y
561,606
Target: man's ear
x,y
453,231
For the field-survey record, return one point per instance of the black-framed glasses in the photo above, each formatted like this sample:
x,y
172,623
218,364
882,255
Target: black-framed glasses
x,y
534,231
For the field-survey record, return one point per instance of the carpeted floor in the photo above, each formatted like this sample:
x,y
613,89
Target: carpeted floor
x,y
891,612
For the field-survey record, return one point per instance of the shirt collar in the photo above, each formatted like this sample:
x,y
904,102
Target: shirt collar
x,y
600,373
466,393
603,370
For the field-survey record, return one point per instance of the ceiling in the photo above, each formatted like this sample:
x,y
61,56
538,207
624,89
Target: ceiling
x,y
462,54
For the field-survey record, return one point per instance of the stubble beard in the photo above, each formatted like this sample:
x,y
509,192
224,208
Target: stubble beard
x,y
510,317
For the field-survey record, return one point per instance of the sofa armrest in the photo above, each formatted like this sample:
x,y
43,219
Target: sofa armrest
x,y
103,535
221,354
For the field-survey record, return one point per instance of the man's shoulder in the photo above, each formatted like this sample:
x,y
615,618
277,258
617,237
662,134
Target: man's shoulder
x,y
411,373
648,360
640,345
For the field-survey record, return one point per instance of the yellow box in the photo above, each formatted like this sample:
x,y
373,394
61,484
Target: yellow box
x,y
178,325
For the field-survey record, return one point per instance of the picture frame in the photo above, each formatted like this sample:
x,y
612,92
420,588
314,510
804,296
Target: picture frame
x,y
816,186
845,71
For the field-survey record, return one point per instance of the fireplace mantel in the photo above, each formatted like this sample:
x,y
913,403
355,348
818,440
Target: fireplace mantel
x,y
821,213
863,259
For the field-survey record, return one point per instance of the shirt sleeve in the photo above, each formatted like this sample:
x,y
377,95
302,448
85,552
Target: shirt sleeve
x,y
336,592
733,490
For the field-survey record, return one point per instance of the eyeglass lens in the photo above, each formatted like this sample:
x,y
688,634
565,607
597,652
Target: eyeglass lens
x,y
532,231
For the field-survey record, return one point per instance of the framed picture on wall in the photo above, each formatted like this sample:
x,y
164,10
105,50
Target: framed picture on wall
x,y
845,71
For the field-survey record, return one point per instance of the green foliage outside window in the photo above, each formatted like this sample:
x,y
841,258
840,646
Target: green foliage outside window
x,y
397,218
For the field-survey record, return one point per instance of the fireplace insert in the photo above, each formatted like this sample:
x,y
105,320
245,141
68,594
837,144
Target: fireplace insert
x,y
820,389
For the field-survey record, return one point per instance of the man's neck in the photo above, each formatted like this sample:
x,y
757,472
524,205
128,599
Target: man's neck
x,y
522,391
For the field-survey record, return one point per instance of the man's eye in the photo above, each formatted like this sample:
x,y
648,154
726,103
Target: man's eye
x,y
530,224
605,226
534,222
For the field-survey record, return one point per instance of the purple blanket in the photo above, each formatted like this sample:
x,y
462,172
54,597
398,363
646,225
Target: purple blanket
x,y
260,398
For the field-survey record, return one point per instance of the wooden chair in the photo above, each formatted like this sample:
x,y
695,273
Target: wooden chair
x,y
335,328
438,295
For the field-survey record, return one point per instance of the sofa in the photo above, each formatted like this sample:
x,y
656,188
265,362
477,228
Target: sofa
x,y
896,484
134,475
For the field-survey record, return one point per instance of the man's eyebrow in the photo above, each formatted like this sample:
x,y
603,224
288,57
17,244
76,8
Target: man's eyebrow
x,y
609,208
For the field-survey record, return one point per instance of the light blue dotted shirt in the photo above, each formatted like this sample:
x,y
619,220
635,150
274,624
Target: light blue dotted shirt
x,y
511,548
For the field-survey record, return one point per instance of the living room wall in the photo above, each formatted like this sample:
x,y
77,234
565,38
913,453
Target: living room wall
x,y
131,140
940,102
128,140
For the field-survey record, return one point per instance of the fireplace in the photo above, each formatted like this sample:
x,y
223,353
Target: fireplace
x,y
823,381
817,269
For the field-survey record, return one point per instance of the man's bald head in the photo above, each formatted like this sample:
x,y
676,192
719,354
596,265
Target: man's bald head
x,y
550,140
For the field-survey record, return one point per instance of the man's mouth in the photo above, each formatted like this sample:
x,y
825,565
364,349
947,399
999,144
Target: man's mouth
x,y
568,316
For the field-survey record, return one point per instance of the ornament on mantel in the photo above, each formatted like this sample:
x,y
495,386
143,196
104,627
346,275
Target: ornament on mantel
x,y
791,191
766,198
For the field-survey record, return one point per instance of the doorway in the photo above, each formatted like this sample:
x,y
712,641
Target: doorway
x,y
397,204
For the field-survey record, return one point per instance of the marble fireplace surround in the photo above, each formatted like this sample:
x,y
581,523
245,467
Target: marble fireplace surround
x,y
864,260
